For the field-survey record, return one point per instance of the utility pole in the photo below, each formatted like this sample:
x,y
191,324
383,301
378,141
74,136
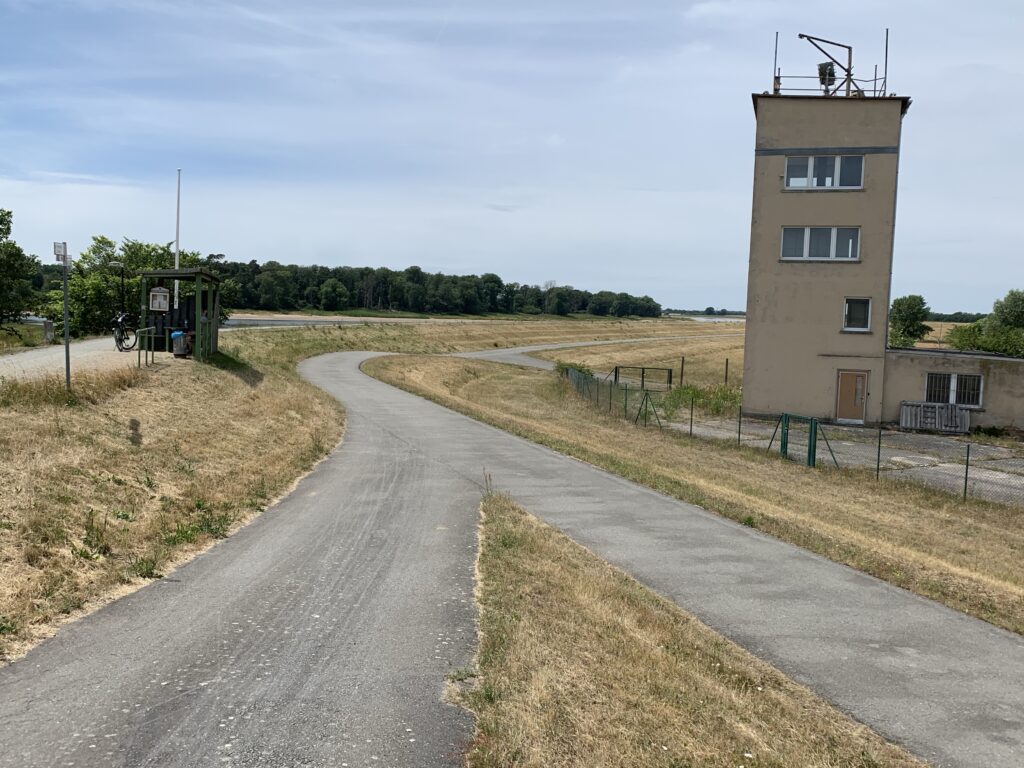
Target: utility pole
x,y
177,238
60,250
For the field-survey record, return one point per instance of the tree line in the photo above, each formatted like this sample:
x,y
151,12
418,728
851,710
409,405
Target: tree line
x,y
283,287
94,287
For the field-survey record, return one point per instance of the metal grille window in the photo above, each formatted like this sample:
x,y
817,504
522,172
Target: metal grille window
x,y
954,388
857,316
821,243
938,388
825,172
968,389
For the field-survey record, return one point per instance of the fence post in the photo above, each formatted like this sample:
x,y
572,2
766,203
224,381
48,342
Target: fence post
x,y
812,443
739,428
682,369
967,470
878,456
784,437
727,371
609,397
691,414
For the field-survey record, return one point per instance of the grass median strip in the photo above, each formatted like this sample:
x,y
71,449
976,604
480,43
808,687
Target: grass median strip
x,y
964,554
579,665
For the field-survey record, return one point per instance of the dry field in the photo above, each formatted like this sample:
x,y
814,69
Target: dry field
x,y
706,353
145,469
581,666
964,554
937,338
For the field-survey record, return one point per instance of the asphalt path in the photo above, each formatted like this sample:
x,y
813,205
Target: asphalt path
x,y
321,632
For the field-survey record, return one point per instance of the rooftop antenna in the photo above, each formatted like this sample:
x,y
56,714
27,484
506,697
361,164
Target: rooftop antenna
x,y
827,71
776,80
885,69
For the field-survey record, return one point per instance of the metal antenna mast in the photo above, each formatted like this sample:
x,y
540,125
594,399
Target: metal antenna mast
x,y
827,78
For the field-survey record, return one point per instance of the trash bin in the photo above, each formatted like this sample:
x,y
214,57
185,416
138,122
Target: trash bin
x,y
179,344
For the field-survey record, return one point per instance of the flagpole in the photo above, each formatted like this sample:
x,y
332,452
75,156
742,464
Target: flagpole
x,y
177,238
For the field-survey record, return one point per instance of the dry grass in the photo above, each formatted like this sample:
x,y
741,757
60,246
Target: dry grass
x,y
141,470
937,338
964,554
30,336
705,357
114,489
581,666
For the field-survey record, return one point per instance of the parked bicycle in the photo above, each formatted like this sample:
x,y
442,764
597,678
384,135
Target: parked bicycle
x,y
124,334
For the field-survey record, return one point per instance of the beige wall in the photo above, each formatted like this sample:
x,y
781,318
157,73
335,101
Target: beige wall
x,y
795,343
1002,404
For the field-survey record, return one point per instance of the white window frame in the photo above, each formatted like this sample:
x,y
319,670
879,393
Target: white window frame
x,y
809,179
807,245
846,303
953,386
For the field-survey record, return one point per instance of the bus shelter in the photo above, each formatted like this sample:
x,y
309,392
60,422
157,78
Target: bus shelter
x,y
197,314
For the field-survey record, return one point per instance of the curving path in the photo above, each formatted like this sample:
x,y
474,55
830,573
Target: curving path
x,y
320,635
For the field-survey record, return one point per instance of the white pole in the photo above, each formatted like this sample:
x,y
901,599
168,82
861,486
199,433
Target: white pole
x,y
177,238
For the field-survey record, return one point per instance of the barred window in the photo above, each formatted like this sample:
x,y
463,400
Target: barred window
x,y
968,389
938,388
957,388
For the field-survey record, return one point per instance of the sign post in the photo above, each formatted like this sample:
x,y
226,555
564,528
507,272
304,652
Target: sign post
x,y
60,250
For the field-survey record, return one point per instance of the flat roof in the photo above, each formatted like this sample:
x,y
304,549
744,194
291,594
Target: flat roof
x,y
956,353
904,100
189,273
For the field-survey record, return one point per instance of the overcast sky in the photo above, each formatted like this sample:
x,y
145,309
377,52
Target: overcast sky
x,y
595,143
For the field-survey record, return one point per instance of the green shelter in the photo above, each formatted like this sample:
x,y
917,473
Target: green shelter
x,y
197,315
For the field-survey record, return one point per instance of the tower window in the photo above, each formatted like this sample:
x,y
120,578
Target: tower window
x,y
821,243
825,172
857,316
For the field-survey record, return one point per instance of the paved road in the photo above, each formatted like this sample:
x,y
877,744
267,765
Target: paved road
x,y
334,617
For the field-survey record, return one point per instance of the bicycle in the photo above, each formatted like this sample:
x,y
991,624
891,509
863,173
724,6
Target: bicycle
x,y
124,334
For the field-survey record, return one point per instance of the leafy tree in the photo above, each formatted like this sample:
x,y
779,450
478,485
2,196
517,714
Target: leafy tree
x,y
1009,311
17,270
94,287
333,295
1001,332
557,302
906,321
709,311
601,303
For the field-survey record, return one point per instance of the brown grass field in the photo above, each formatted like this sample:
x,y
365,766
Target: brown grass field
x,y
705,353
145,469
964,554
582,667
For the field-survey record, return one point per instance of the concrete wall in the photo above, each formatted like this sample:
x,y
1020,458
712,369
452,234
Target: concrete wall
x,y
1002,404
795,343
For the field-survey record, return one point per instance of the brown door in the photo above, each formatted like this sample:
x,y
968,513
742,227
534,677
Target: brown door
x,y
853,395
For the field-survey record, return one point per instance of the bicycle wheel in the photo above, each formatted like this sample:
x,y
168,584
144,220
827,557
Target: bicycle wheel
x,y
119,338
128,338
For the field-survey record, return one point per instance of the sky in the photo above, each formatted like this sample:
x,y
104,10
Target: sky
x,y
595,143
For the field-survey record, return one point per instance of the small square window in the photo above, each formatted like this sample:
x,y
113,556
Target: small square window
x,y
796,171
847,243
851,171
793,242
858,315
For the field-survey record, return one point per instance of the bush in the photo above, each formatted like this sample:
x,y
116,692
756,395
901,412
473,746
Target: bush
x,y
561,367
716,399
